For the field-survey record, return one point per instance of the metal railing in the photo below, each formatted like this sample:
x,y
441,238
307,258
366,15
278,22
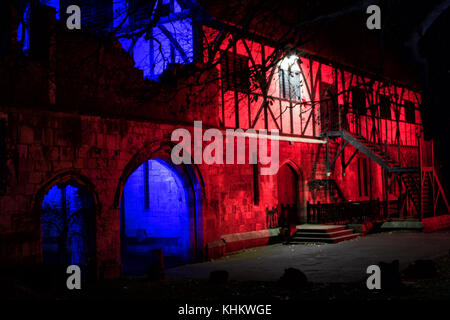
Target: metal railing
x,y
272,218
344,212
281,215
373,128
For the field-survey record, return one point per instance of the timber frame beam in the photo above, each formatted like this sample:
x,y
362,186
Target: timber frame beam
x,y
331,164
349,161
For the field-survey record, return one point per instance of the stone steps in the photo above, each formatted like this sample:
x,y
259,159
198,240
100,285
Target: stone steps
x,y
320,228
326,234
322,233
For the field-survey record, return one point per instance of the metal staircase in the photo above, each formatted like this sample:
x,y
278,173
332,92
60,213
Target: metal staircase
x,y
435,201
375,152
319,177
432,192
421,183
412,184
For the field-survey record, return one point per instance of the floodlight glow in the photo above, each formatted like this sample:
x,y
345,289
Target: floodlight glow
x,y
290,63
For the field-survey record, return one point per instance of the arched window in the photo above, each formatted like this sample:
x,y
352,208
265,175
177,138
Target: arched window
x,y
68,221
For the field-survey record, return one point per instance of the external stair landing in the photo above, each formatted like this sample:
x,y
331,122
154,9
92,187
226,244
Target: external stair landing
x,y
323,233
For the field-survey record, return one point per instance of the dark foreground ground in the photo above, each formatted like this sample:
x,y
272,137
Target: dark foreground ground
x,y
184,290
345,261
435,288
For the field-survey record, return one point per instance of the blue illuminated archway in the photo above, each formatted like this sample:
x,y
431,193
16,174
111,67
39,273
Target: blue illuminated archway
x,y
159,211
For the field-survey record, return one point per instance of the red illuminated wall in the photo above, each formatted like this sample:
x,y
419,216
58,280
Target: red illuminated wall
x,y
304,117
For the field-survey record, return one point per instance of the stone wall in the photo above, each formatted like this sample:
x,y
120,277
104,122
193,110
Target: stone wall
x,y
45,148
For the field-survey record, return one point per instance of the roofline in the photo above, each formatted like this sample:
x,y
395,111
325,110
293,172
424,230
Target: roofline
x,y
267,41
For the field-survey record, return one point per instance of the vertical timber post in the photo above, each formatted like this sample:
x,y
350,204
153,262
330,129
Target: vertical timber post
x,y
327,155
236,94
386,182
420,176
432,179
400,200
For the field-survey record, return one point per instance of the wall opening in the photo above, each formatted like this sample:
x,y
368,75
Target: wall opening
x,y
159,211
68,225
288,195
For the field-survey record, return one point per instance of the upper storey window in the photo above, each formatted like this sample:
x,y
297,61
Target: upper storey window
x,y
290,79
23,30
235,73
33,32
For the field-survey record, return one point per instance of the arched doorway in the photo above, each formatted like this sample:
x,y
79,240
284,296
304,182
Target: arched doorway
x,y
159,211
288,195
68,225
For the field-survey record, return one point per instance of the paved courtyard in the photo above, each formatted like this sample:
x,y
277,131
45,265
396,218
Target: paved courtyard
x,y
342,262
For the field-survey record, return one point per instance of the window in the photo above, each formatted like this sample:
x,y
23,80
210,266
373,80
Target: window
x,y
385,107
33,28
290,85
67,224
234,71
359,100
363,177
23,30
290,79
410,111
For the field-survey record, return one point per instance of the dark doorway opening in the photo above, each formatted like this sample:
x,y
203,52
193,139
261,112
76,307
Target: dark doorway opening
x,y
288,196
